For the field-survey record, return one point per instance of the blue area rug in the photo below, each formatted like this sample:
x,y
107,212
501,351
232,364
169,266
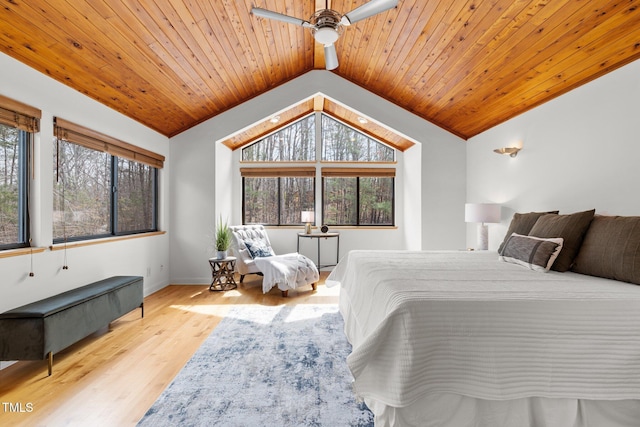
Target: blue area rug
x,y
266,366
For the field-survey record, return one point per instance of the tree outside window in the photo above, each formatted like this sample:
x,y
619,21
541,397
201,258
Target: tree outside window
x,y
352,195
13,187
277,200
98,195
292,143
357,200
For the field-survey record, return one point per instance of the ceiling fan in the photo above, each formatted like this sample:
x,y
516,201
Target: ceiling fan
x,y
326,25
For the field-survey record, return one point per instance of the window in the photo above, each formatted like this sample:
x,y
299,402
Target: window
x,y
277,196
351,195
81,193
136,197
14,145
341,143
18,123
102,186
358,196
293,143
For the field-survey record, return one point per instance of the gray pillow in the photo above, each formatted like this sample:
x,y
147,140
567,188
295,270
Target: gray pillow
x,y
611,249
521,223
571,228
534,253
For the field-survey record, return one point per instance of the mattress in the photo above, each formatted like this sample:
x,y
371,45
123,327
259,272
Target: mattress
x,y
464,323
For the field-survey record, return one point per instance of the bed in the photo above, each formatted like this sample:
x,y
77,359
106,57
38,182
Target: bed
x,y
458,338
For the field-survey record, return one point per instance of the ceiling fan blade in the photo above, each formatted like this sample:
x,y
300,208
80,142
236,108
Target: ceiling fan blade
x,y
264,13
366,10
330,57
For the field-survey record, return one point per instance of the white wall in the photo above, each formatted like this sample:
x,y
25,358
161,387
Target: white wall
x,y
580,151
90,263
206,181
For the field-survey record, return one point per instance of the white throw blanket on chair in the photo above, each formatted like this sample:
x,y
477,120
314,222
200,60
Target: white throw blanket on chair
x,y
287,271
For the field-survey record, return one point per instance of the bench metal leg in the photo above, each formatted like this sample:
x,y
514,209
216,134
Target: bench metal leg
x,y
142,308
50,362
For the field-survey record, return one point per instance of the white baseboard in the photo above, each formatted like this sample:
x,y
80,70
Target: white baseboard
x,y
6,364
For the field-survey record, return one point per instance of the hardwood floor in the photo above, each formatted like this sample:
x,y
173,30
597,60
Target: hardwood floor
x,y
112,377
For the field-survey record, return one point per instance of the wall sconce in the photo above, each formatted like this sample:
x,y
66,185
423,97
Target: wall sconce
x,y
482,213
307,218
511,151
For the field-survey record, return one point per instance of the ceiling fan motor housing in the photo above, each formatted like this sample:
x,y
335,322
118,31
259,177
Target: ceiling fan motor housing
x,y
326,26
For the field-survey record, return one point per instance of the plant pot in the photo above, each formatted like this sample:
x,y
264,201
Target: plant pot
x,y
222,254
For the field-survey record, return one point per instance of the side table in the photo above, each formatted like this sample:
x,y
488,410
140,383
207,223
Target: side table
x,y
319,236
222,274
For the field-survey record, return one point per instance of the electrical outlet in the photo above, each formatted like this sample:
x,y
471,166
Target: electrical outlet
x,y
148,271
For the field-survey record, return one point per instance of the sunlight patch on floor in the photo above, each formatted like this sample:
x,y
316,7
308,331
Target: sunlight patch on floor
x,y
209,309
299,313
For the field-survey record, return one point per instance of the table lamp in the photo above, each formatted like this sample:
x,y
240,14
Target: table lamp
x,y
482,213
307,218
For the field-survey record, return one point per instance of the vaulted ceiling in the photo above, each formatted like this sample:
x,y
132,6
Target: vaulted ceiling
x,y
465,65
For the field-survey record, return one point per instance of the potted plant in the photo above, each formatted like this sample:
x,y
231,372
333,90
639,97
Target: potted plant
x,y
223,239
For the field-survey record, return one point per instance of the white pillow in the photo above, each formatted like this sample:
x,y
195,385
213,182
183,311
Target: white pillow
x,y
532,252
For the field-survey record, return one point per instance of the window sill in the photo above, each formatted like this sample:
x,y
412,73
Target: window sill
x,y
19,252
335,227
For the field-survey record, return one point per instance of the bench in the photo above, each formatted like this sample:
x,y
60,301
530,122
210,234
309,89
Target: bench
x,y
37,330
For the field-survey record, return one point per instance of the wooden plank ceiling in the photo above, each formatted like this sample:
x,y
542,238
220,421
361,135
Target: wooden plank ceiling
x,y
465,65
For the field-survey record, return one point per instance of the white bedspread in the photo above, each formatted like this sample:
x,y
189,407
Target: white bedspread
x,y
465,323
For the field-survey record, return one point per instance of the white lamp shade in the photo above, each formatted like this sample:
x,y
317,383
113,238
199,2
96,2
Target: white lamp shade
x,y
307,216
482,212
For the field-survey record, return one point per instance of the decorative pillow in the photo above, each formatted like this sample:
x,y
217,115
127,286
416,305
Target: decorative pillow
x,y
533,252
611,249
258,248
571,228
521,223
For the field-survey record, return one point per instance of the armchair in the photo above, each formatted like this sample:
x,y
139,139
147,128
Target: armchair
x,y
251,246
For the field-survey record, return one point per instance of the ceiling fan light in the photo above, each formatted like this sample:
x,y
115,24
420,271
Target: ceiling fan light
x,y
325,35
330,57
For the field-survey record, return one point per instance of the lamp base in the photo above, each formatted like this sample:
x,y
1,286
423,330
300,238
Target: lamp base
x,y
307,228
483,237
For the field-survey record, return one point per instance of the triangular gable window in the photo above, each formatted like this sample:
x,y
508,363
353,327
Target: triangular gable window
x,y
293,143
342,143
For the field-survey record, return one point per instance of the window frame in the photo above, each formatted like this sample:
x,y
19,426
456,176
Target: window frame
x,y
358,173
25,140
26,119
278,174
357,169
114,196
357,131
70,133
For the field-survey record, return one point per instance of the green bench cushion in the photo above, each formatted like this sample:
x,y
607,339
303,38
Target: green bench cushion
x,y
56,303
